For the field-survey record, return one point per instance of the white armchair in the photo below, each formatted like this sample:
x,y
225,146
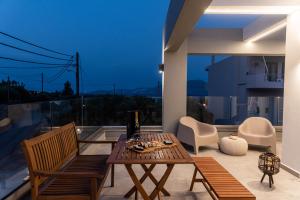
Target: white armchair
x,y
195,133
258,131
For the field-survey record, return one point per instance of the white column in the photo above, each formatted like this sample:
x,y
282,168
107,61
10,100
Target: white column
x,y
174,88
291,115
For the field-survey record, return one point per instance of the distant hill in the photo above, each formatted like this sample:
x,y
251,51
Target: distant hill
x,y
195,88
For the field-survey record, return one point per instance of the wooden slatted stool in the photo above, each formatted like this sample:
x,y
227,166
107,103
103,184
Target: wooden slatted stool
x,y
58,171
219,183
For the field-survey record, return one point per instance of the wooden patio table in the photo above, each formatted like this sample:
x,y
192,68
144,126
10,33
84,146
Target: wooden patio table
x,y
170,156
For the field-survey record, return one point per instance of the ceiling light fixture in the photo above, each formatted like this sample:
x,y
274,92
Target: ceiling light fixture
x,y
272,29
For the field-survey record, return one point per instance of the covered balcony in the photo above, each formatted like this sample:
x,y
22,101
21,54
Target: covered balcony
x,y
262,37
180,39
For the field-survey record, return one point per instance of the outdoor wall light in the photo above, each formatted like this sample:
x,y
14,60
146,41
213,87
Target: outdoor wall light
x,y
161,68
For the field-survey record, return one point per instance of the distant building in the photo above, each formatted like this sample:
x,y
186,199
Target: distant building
x,y
239,87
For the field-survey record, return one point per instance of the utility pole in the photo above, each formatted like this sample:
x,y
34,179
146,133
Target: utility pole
x,y
77,74
114,89
8,85
42,79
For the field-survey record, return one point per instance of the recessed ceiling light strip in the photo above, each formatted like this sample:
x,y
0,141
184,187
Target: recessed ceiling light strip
x,y
264,33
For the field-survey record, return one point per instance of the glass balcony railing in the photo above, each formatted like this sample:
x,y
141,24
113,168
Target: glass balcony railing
x,y
23,121
233,110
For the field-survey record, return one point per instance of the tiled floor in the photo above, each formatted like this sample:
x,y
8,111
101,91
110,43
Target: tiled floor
x,y
244,168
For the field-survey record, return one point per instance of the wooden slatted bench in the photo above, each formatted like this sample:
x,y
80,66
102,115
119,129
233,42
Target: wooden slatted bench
x,y
58,171
218,181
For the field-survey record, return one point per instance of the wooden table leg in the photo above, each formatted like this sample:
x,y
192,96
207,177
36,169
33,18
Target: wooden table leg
x,y
193,179
163,190
137,182
142,179
162,181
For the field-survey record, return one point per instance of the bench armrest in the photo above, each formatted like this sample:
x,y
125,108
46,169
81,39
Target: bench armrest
x,y
67,174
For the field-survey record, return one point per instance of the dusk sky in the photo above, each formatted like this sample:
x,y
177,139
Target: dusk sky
x,y
119,41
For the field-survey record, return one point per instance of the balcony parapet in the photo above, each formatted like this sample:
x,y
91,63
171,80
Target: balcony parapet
x,y
261,81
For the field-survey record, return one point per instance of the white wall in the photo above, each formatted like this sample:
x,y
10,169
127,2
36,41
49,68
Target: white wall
x,y
174,88
291,114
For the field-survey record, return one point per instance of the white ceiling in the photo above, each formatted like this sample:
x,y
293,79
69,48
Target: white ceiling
x,y
253,6
255,2
279,35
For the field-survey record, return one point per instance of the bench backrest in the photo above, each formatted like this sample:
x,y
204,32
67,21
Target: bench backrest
x,y
50,151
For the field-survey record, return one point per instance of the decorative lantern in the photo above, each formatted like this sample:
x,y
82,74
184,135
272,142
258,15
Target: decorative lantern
x,y
269,164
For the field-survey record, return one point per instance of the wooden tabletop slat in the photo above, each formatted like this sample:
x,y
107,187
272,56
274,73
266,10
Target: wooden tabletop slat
x,y
173,155
157,153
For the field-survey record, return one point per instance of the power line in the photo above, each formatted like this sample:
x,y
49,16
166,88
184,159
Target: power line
x,y
35,45
81,78
32,52
32,62
59,74
42,80
44,67
77,74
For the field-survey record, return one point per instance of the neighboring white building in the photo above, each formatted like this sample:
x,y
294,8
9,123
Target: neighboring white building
x,y
246,86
